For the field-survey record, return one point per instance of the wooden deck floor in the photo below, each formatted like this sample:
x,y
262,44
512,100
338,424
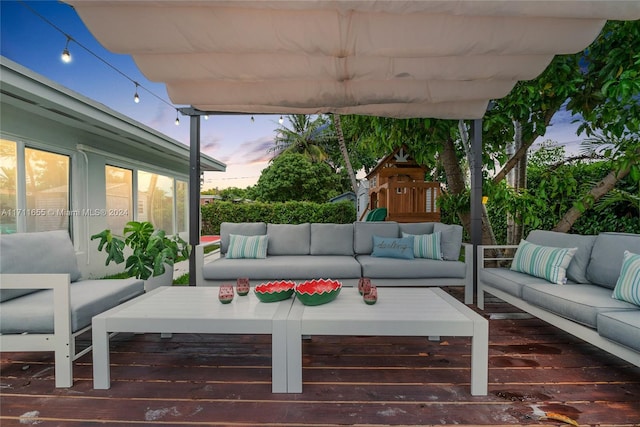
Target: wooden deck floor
x,y
211,380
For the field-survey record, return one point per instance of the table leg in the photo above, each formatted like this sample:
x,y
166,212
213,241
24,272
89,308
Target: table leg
x,y
480,358
100,342
279,351
294,351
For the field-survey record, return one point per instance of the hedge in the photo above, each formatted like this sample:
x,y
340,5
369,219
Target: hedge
x,y
218,212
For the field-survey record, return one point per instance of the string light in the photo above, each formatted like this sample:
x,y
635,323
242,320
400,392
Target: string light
x,y
66,56
206,117
280,120
177,118
252,119
136,98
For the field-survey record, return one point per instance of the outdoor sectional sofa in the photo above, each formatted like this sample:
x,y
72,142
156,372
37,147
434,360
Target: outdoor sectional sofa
x,y
44,305
342,252
584,305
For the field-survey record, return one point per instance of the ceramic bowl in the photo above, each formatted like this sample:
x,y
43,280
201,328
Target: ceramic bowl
x,y
274,291
316,292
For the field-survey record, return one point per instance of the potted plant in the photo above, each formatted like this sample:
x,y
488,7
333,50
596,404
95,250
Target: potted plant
x,y
151,250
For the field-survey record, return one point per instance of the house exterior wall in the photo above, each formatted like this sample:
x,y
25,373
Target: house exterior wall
x,y
38,115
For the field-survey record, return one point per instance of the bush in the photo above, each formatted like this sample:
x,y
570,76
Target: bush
x,y
216,213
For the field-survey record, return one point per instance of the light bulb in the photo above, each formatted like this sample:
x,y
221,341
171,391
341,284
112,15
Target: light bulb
x,y
177,121
136,98
66,56
206,117
280,120
252,119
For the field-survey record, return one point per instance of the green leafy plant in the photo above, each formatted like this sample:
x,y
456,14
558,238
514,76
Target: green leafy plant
x,y
150,249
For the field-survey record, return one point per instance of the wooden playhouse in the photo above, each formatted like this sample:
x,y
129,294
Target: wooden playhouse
x,y
397,183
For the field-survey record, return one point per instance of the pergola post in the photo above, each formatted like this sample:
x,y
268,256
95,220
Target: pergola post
x,y
194,194
476,194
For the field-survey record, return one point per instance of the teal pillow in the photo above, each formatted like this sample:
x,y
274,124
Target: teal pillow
x,y
388,247
426,245
543,261
247,246
628,284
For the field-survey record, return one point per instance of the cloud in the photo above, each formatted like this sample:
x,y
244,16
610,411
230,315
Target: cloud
x,y
254,151
210,144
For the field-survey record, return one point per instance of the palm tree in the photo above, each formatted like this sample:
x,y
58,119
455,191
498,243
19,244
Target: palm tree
x,y
305,136
337,123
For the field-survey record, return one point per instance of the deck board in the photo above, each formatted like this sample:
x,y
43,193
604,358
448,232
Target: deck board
x,y
199,379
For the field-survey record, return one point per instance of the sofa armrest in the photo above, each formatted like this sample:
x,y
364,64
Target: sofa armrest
x,y
495,254
200,260
468,276
61,340
491,256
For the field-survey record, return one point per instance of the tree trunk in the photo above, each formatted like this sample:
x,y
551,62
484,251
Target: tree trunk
x,y
345,154
517,179
600,189
512,162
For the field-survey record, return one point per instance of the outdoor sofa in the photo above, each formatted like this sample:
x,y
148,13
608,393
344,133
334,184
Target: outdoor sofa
x,y
343,252
581,301
44,305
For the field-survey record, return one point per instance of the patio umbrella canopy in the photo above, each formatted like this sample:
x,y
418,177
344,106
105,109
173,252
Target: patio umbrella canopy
x,y
440,59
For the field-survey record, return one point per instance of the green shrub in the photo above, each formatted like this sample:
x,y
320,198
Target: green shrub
x,y
216,213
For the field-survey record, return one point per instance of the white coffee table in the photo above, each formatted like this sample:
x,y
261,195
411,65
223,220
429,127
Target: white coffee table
x,y
398,312
182,309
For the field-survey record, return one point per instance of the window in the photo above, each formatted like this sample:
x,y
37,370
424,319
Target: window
x,y
43,204
47,183
119,192
155,200
182,202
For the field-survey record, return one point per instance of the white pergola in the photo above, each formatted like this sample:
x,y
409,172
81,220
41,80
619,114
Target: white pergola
x,y
420,58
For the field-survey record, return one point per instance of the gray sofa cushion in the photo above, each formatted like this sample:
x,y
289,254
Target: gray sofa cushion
x,y
577,271
289,239
451,241
580,303
508,280
606,257
331,239
243,229
416,227
363,233
297,267
38,252
417,268
621,326
33,313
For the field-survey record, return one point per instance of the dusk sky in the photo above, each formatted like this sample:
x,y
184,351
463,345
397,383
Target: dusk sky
x,y
235,140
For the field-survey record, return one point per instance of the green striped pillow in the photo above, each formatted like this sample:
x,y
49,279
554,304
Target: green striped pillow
x,y
426,245
543,261
628,284
247,246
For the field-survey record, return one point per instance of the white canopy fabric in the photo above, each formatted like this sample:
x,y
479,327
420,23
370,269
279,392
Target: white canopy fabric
x,y
440,59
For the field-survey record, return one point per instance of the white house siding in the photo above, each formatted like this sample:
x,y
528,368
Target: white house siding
x,y
92,136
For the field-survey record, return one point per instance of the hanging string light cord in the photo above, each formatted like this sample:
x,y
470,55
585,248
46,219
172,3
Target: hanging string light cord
x,y
70,38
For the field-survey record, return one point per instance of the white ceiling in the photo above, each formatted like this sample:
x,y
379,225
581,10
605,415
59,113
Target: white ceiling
x,y
441,59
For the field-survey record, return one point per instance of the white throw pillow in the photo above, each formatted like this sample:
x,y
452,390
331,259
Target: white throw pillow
x,y
628,284
247,246
543,261
426,245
